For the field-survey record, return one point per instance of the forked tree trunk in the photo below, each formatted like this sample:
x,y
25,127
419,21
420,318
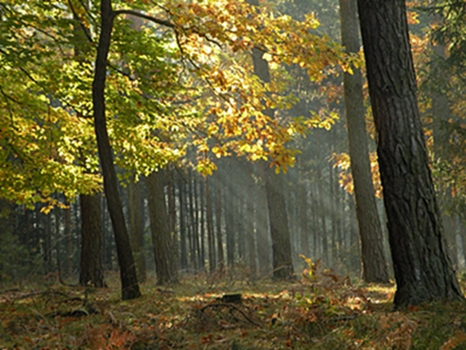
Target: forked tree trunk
x,y
374,265
129,282
423,270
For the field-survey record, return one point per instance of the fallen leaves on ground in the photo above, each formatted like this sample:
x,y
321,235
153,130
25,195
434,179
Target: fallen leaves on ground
x,y
321,310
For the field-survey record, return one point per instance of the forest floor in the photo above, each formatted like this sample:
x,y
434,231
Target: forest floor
x,y
320,310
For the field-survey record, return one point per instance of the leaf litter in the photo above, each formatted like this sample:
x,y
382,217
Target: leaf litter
x,y
319,310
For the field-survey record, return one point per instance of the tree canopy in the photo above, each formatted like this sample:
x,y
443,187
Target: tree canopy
x,y
179,77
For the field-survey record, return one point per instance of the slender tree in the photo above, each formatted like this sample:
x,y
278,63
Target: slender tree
x,y
281,242
165,259
422,267
136,226
374,265
129,282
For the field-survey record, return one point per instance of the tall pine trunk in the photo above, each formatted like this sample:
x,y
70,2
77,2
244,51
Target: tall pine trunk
x,y
422,267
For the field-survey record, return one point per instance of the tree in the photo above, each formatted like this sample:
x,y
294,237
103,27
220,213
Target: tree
x,y
423,270
129,283
282,262
374,265
165,263
136,226
91,272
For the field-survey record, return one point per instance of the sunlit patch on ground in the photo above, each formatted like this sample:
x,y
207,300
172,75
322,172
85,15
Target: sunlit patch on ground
x,y
316,313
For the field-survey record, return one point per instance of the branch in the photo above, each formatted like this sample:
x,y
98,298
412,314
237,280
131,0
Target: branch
x,y
162,22
81,24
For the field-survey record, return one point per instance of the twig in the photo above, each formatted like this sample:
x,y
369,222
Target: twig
x,y
231,307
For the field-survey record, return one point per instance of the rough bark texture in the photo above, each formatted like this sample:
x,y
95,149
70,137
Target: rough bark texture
x,y
164,250
129,282
92,273
423,270
374,265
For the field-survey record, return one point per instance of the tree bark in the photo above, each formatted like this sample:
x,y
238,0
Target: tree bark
x,y
210,227
218,222
183,230
374,264
423,270
262,225
129,282
92,272
136,226
278,219
165,259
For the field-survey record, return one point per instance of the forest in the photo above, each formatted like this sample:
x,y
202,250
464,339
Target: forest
x,y
223,174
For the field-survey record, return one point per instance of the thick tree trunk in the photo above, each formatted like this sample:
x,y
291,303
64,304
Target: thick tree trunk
x,y
165,258
129,282
423,270
91,272
374,265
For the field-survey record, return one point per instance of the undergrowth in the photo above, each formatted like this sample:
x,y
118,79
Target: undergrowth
x,y
320,310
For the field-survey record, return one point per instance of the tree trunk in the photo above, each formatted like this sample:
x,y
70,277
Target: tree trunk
x,y
322,211
423,270
210,227
262,226
129,282
228,205
68,263
250,240
165,259
218,222
374,265
183,230
282,262
48,244
278,220
136,226
91,272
